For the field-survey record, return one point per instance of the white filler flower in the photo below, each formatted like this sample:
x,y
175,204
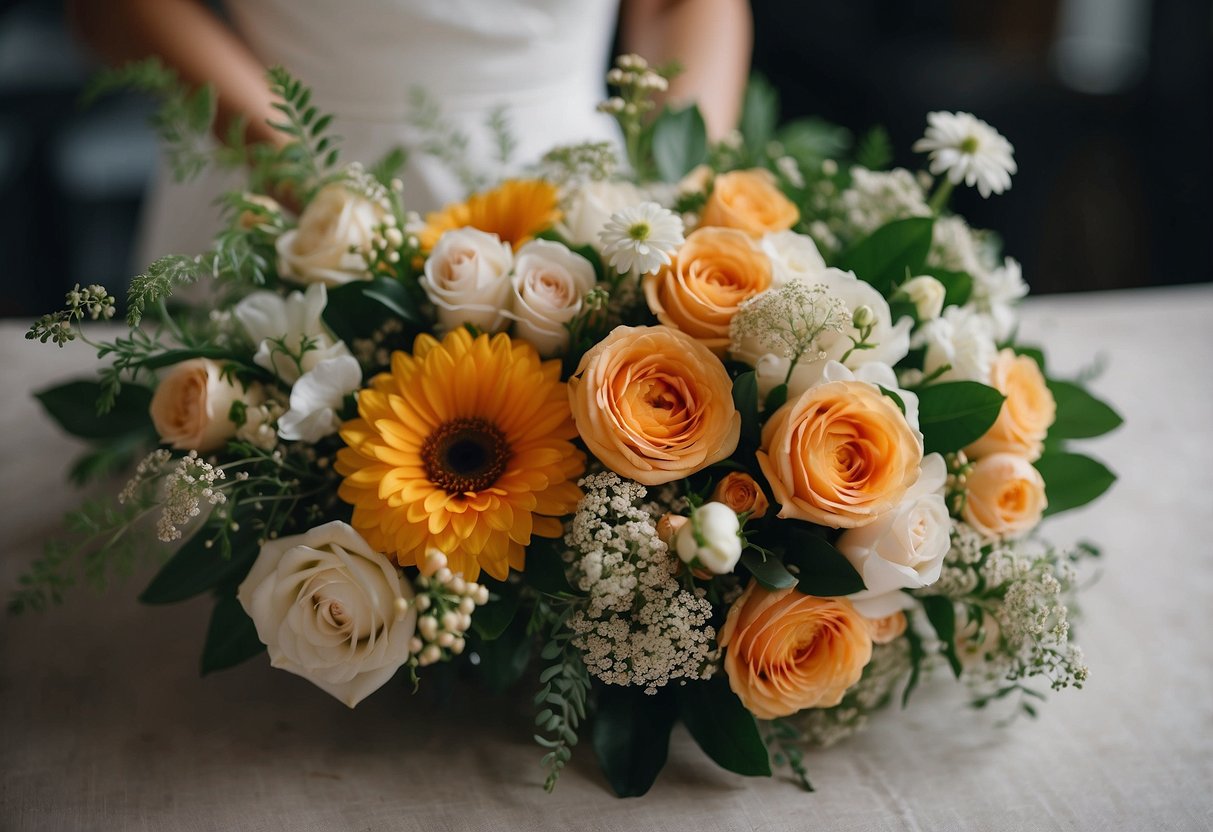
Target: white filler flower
x,y
641,238
968,150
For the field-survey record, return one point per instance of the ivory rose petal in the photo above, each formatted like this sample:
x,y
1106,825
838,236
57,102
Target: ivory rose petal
x,y
319,250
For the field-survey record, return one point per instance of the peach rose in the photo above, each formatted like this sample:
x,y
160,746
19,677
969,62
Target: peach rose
x,y
1027,413
884,630
787,651
653,404
840,455
742,493
749,201
1004,496
191,405
711,274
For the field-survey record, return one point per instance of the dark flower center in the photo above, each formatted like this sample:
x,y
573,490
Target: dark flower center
x,y
465,455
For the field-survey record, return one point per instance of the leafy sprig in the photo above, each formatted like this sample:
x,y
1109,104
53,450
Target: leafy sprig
x,y
312,153
566,686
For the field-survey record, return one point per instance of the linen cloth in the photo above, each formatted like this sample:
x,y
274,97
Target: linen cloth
x,y
106,725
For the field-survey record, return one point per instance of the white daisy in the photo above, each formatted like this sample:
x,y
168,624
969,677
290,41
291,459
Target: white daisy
x,y
641,238
968,150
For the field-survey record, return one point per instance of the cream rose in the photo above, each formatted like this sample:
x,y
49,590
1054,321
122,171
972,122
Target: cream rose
x,y
1004,496
467,277
1026,415
711,274
793,257
840,454
786,651
749,201
318,251
905,547
588,207
331,609
654,405
191,406
549,284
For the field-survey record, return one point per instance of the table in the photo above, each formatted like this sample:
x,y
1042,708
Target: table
x,y
106,724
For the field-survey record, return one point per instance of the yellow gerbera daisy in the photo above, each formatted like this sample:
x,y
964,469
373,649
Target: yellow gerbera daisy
x,y
464,446
515,211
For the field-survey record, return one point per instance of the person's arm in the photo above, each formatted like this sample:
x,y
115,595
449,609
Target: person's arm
x,y
186,36
710,39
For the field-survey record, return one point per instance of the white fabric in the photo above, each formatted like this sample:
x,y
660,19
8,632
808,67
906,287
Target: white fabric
x,y
543,61
106,725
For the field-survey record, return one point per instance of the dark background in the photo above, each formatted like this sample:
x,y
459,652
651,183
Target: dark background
x,y
1109,104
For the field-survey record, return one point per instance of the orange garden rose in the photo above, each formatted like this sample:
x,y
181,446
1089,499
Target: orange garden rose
x,y
1027,413
712,273
1004,496
749,201
653,404
742,493
886,629
786,651
839,455
192,404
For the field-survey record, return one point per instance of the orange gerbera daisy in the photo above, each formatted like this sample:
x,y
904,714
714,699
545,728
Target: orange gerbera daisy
x,y
463,446
516,210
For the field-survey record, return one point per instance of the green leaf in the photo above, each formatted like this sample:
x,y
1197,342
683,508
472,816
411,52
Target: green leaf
x,y
958,286
941,612
632,736
917,654
361,306
1035,353
680,142
875,150
759,114
388,166
724,729
890,252
770,572
955,413
74,407
231,637
1079,414
811,140
895,396
196,568
503,660
545,568
745,399
1072,480
490,621
823,570
110,457
776,398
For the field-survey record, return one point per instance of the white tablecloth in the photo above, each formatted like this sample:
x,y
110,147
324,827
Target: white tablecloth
x,y
106,724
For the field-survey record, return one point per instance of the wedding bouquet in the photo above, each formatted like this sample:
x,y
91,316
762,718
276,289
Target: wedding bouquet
x,y
737,435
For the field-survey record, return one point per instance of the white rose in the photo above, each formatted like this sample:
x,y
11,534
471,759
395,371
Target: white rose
x,y
961,339
318,251
331,609
927,294
280,326
588,207
549,283
317,397
891,340
792,256
192,404
467,277
905,547
711,540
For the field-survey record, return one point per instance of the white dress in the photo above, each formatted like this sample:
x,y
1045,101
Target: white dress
x,y
542,61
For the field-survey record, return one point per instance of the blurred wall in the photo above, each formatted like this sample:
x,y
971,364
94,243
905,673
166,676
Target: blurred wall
x,y
1109,104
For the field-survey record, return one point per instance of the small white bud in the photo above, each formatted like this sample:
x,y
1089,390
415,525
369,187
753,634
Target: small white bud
x,y
450,620
927,294
711,540
467,605
863,317
427,625
446,639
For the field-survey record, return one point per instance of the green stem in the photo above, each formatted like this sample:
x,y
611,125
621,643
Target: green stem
x,y
939,199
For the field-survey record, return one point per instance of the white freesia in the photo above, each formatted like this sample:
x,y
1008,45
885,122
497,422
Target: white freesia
x,y
331,609
793,256
962,340
711,540
467,277
927,294
587,208
282,328
904,548
316,399
995,294
966,149
337,220
549,284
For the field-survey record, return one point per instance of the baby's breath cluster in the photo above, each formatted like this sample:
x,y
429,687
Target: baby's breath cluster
x,y
788,321
575,164
148,469
445,603
639,626
875,198
192,483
